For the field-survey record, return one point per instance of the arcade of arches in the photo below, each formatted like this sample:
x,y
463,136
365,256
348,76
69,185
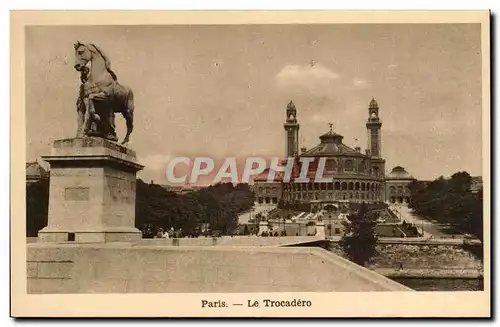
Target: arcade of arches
x,y
351,190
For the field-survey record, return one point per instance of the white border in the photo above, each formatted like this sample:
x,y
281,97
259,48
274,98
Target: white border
x,y
186,4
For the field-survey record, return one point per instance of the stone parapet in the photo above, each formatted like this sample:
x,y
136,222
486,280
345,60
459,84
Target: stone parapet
x,y
135,268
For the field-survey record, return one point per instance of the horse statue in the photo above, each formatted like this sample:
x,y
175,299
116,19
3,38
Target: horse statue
x,y
100,96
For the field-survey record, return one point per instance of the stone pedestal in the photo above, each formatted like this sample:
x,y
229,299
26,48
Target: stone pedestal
x,y
92,192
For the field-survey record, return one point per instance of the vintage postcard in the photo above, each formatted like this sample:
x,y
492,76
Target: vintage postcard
x,y
250,164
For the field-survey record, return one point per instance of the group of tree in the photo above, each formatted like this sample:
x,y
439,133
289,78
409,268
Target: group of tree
x,y
360,238
217,206
450,201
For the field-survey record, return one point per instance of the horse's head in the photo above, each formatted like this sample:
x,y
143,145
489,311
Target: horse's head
x,y
82,56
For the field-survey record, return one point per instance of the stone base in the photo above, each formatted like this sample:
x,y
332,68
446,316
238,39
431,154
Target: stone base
x,y
92,192
89,236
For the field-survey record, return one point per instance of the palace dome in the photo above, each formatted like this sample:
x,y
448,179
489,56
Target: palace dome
x,y
399,172
330,145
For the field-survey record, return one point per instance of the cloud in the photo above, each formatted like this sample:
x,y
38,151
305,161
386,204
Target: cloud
x,y
359,82
313,76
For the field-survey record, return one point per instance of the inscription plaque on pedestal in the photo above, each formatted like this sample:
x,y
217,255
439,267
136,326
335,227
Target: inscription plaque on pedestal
x,y
76,194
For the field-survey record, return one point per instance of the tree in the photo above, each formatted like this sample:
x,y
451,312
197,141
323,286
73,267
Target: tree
x,y
37,206
450,201
218,205
460,182
359,240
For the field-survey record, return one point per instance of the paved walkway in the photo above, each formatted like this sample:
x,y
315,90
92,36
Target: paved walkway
x,y
246,216
432,227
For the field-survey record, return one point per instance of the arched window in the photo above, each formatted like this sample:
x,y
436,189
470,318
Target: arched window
x,y
344,186
351,185
400,190
392,190
348,166
356,186
337,185
331,164
362,186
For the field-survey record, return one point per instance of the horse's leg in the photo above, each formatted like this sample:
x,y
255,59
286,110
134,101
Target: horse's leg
x,y
87,119
110,126
128,114
129,119
101,96
80,121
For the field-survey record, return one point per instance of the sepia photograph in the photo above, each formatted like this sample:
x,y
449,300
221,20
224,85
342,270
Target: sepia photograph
x,y
253,164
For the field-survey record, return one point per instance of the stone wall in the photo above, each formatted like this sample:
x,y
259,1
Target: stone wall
x,y
126,268
230,241
423,259
50,269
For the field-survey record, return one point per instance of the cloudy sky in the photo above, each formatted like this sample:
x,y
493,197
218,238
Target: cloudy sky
x,y
222,90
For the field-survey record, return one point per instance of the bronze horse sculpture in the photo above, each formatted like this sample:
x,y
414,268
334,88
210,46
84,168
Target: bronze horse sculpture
x,y
101,96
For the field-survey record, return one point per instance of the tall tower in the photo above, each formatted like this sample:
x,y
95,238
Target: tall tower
x,y
373,126
292,131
